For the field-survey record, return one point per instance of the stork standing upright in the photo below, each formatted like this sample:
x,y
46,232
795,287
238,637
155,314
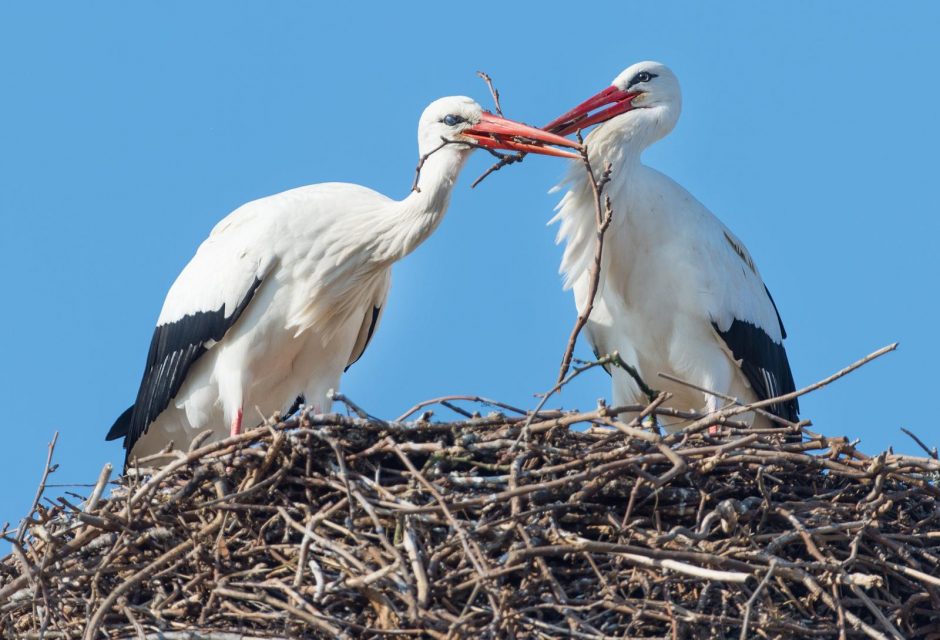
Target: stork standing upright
x,y
679,293
287,291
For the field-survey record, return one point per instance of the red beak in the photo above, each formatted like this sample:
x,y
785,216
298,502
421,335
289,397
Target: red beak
x,y
494,132
580,118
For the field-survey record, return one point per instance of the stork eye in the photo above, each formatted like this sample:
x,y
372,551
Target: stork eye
x,y
642,76
452,120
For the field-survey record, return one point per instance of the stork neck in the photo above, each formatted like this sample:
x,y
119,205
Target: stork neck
x,y
622,153
623,140
418,215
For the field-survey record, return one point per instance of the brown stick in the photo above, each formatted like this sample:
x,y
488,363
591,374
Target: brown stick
x,y
604,214
48,468
493,90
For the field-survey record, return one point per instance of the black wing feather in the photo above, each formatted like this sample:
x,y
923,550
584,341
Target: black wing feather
x,y
174,348
764,363
783,331
375,320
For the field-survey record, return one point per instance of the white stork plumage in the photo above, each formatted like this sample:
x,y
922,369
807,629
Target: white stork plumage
x,y
287,291
679,293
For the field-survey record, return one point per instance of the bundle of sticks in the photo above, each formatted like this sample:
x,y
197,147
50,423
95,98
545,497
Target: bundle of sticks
x,y
534,525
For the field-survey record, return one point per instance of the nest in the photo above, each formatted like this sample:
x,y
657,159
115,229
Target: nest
x,y
576,525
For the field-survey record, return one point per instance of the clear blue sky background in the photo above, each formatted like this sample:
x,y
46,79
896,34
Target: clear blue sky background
x,y
128,129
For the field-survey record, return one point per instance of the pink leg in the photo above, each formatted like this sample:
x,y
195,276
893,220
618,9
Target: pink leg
x,y
237,423
712,430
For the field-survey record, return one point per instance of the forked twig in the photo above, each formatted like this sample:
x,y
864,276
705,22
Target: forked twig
x,y
493,91
508,158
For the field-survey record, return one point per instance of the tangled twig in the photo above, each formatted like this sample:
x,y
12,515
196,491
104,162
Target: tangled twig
x,y
347,526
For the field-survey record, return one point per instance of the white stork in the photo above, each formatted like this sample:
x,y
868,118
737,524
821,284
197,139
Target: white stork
x,y
679,293
286,292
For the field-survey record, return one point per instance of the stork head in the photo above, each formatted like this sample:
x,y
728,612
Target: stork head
x,y
458,119
645,95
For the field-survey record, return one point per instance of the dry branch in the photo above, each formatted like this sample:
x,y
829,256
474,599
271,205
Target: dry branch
x,y
507,159
444,143
603,216
493,91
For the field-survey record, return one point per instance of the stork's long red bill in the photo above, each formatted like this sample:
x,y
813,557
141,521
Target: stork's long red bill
x,y
580,117
494,132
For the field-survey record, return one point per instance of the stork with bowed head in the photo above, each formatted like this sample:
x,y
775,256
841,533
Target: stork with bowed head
x,y
287,291
678,292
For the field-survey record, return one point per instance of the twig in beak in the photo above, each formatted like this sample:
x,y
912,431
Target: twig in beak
x,y
444,143
506,160
493,90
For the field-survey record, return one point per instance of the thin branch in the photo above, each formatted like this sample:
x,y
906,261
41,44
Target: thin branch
x,y
558,387
49,468
822,383
647,390
604,214
424,158
932,451
336,396
493,91
750,601
444,143
767,414
504,161
468,398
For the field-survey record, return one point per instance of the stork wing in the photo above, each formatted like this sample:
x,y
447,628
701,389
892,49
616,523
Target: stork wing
x,y
208,297
746,319
369,324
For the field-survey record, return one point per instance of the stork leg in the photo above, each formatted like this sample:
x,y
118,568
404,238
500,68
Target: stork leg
x,y
712,404
237,423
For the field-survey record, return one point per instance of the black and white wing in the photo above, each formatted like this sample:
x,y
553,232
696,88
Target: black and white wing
x,y
370,323
745,318
205,301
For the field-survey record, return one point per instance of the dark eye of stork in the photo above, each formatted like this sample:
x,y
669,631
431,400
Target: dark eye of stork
x,y
452,120
642,76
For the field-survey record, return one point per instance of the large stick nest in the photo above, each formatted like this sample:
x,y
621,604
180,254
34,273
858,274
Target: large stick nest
x,y
331,526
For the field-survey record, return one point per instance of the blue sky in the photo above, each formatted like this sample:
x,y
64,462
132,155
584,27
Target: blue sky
x,y
128,129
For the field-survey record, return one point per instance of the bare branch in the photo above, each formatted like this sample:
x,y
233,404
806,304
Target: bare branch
x,y
49,468
493,91
767,414
604,214
822,383
750,601
424,158
931,451
647,390
469,398
444,143
506,160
